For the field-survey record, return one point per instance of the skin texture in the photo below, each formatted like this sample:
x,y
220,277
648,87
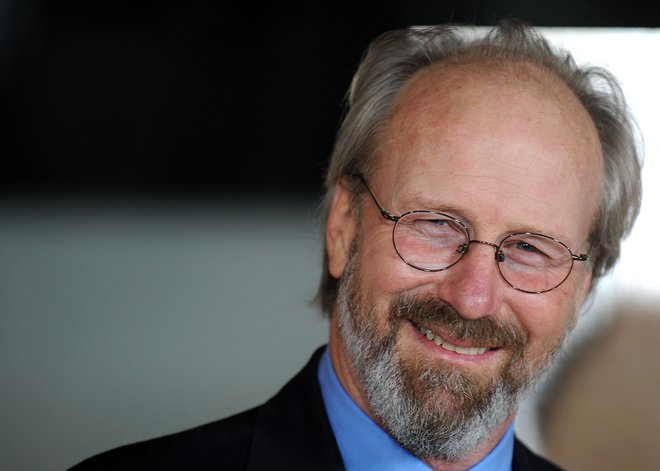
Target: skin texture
x,y
503,148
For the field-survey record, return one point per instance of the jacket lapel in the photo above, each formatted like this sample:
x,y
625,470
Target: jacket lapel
x,y
292,430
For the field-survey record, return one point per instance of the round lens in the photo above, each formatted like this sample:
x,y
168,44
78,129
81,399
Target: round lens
x,y
429,241
534,263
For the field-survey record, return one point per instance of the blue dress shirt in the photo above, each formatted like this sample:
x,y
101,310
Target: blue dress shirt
x,y
364,445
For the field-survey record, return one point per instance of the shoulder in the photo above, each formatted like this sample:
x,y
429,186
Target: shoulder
x,y
525,459
225,443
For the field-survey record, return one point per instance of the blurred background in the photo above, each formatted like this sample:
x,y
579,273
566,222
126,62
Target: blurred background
x,y
161,165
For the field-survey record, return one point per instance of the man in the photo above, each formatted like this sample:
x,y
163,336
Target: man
x,y
478,188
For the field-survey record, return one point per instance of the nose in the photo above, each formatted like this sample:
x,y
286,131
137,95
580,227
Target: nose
x,y
473,285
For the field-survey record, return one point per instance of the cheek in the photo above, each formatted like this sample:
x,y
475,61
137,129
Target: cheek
x,y
545,317
384,274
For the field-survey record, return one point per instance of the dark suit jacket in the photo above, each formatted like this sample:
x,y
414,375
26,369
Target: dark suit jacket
x,y
289,432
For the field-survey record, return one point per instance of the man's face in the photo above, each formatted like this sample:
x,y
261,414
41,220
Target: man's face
x,y
503,155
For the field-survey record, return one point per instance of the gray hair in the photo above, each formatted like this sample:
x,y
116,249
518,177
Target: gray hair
x,y
394,57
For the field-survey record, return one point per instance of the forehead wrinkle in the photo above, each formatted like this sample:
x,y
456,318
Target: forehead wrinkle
x,y
426,104
525,163
409,126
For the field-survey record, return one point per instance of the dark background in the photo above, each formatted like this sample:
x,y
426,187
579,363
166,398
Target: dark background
x,y
203,97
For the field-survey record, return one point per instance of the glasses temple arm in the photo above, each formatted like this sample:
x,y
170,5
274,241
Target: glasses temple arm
x,y
386,214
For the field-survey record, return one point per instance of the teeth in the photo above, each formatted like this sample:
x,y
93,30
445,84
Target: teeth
x,y
440,342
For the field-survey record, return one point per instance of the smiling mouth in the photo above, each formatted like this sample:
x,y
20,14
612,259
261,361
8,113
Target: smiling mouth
x,y
440,342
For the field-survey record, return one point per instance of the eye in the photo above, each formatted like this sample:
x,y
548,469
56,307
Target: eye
x,y
435,227
523,249
526,247
430,229
434,222
533,250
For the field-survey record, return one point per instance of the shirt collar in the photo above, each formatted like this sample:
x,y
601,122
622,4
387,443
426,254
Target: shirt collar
x,y
364,445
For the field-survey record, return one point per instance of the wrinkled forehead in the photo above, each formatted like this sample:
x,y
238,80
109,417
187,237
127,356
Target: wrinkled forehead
x,y
510,127
441,97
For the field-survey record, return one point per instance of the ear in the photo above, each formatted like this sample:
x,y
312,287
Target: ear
x,y
340,230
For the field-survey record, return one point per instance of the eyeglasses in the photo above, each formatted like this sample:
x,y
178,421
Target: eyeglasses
x,y
432,241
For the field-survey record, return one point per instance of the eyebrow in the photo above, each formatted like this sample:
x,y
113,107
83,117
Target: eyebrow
x,y
417,202
422,204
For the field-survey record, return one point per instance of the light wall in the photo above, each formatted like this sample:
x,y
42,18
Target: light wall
x,y
632,55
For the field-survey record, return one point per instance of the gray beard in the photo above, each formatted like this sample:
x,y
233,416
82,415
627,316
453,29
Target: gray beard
x,y
433,410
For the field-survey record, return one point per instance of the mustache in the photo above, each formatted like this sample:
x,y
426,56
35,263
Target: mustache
x,y
488,330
